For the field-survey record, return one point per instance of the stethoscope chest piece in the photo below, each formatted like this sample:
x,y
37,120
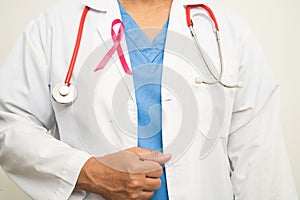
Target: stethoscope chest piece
x,y
64,94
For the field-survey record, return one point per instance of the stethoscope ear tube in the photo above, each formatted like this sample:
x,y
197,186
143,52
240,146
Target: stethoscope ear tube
x,y
213,21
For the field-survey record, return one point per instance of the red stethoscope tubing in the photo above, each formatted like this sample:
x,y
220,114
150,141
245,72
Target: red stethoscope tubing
x,y
209,11
81,26
77,46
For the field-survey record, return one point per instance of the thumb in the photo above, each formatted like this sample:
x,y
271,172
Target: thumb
x,y
155,156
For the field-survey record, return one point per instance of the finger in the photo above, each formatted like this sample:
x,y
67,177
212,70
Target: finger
x,y
152,184
146,154
137,150
147,194
155,156
142,195
151,169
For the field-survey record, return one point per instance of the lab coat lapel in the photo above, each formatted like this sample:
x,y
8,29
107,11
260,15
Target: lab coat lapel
x,y
176,31
177,21
110,15
108,12
178,25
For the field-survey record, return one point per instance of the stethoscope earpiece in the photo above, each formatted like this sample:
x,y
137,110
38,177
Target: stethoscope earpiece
x,y
240,84
199,80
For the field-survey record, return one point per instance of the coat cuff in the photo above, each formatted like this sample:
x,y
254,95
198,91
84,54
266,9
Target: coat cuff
x,y
70,175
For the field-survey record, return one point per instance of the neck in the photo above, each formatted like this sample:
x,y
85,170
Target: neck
x,y
153,2
145,3
148,13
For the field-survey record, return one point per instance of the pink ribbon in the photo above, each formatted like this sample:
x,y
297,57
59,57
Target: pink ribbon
x,y
116,47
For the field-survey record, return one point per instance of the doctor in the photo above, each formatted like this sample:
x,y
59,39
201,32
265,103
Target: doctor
x,y
204,142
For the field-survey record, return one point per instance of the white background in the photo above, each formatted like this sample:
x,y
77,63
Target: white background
x,y
275,22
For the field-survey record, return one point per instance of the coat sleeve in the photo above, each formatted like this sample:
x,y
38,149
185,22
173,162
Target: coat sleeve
x,y
259,161
44,167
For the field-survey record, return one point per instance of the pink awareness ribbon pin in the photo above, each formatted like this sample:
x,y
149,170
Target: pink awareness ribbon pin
x,y
116,47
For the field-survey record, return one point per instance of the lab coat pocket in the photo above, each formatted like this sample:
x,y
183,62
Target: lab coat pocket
x,y
215,105
191,110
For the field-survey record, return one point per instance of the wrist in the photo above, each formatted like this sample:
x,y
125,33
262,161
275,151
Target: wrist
x,y
85,179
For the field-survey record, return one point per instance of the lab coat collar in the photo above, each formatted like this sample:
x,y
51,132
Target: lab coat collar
x,y
111,12
99,5
192,2
104,5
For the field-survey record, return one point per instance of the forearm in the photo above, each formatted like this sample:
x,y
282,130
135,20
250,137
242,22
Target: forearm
x,y
34,159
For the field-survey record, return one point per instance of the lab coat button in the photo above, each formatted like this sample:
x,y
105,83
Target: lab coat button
x,y
130,105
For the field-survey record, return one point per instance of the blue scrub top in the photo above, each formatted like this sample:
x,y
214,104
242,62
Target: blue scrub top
x,y
147,64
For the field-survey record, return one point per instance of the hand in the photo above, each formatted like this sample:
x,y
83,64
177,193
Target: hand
x,y
130,174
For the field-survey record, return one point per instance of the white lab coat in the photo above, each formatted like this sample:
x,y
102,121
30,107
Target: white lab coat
x,y
248,160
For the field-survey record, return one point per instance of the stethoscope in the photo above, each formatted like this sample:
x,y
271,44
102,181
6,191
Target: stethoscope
x,y
215,27
66,93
